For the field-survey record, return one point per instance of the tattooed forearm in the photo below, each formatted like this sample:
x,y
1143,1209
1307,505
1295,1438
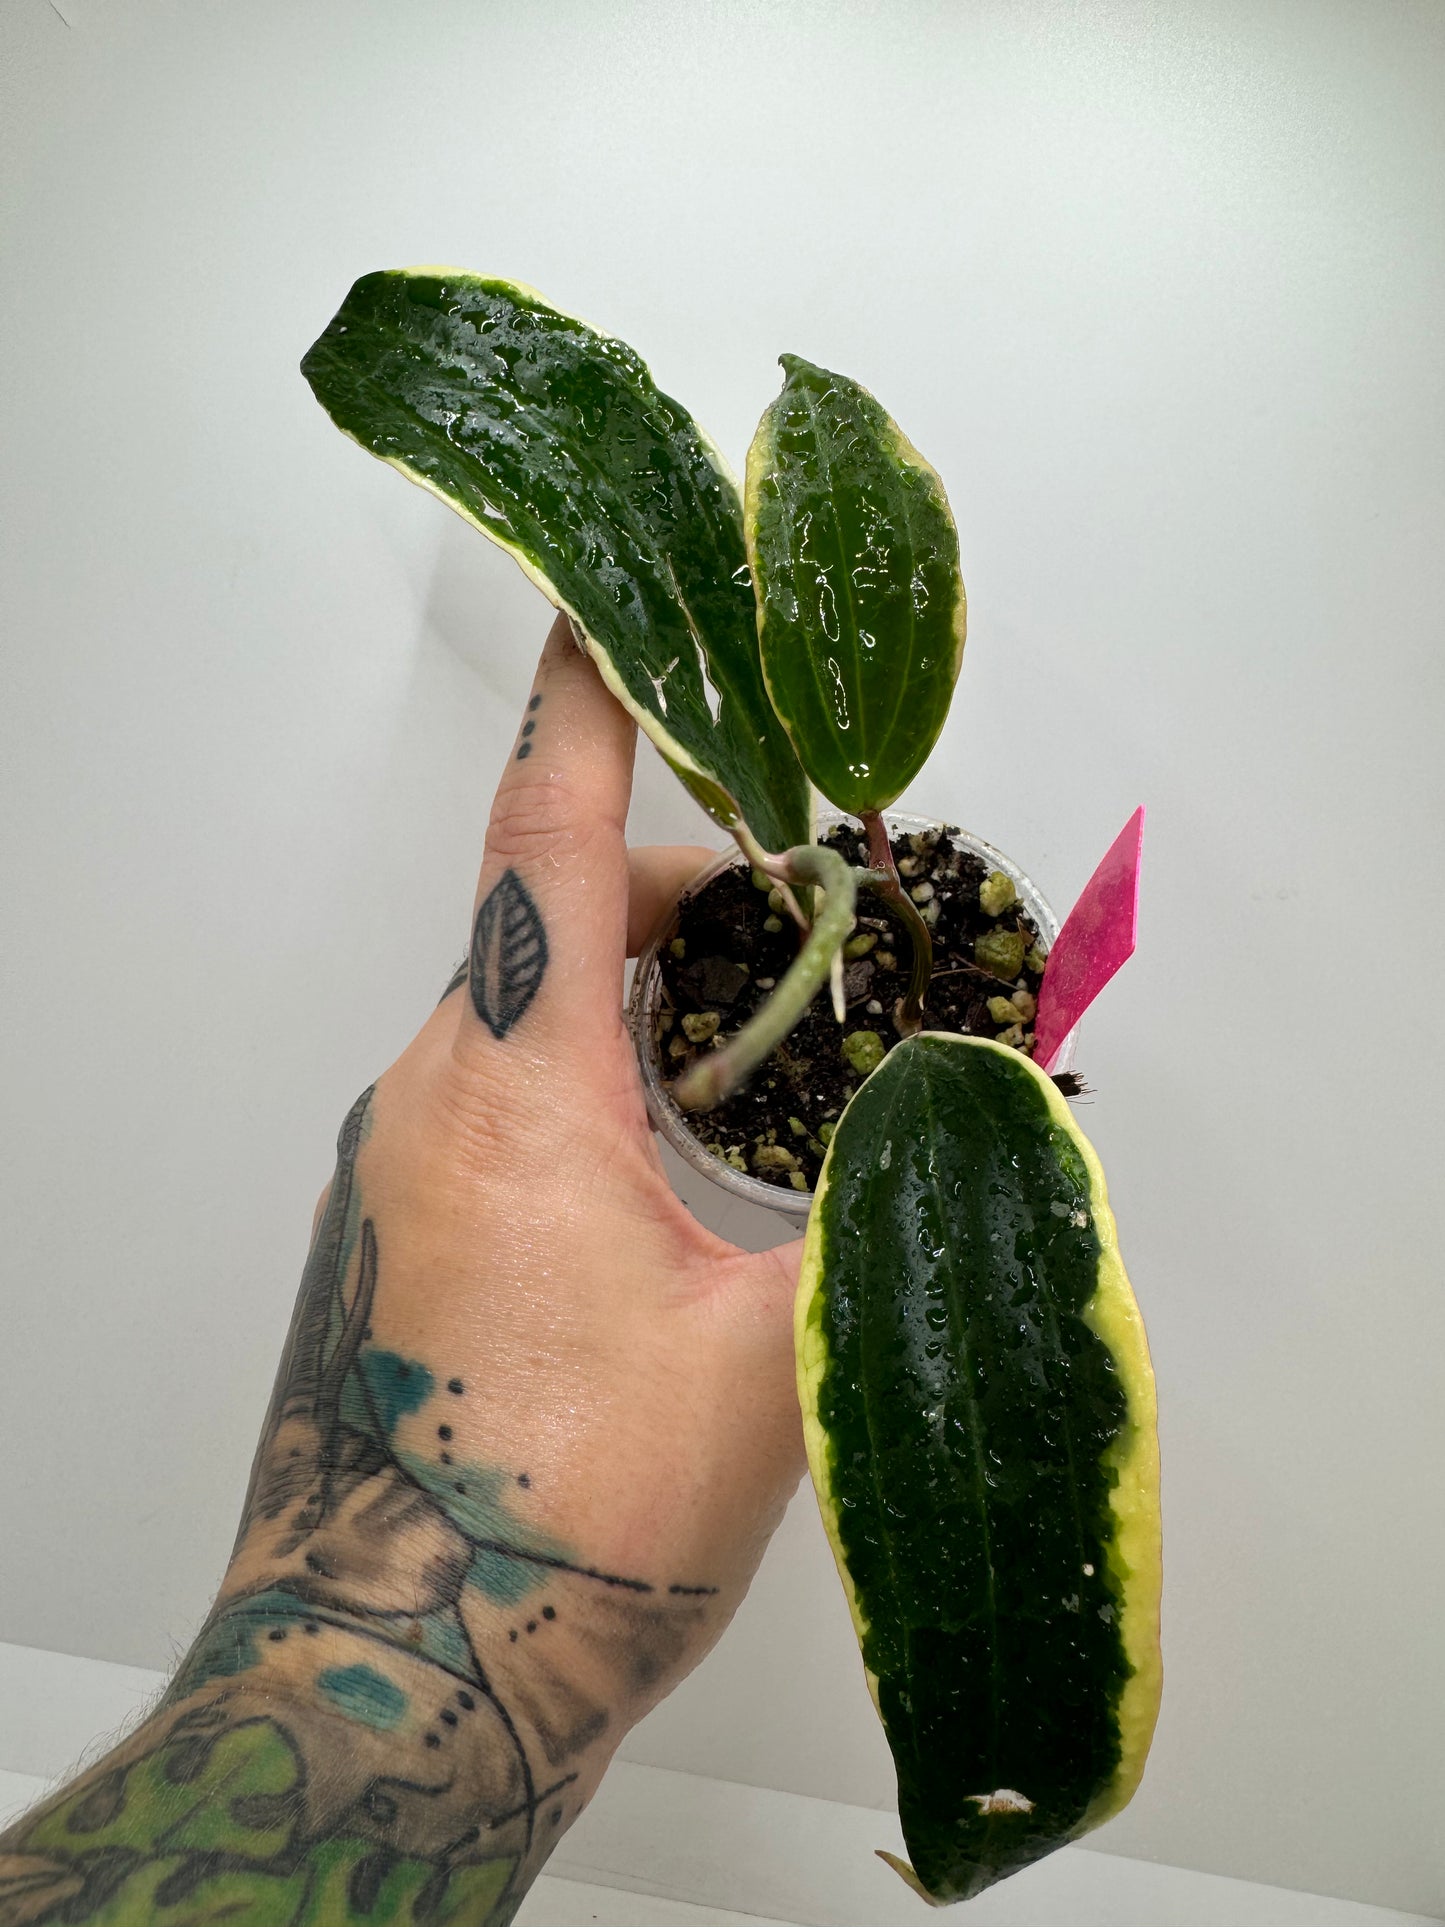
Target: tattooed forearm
x,y
407,1686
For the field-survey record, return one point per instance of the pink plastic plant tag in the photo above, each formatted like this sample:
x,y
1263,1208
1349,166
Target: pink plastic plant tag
x,y
1098,936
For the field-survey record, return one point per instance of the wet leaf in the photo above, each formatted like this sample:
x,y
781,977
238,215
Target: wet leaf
x,y
979,1411
855,559
556,443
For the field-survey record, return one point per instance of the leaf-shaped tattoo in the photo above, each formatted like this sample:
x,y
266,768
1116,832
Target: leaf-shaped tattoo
x,y
509,954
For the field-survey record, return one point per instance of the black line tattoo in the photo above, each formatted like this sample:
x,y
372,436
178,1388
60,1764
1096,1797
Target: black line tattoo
x,y
509,954
458,977
335,1748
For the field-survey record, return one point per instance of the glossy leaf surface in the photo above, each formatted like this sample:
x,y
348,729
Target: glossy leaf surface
x,y
979,1410
555,442
860,597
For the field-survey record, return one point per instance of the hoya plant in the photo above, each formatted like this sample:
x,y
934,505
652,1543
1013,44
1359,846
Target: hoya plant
x,y
973,1374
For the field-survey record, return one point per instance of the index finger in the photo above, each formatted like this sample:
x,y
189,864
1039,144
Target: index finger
x,y
549,916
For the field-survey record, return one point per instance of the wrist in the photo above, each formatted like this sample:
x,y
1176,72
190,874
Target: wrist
x,y
502,1711
323,1746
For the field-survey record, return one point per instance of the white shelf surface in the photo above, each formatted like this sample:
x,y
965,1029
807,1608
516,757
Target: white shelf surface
x,y
663,1849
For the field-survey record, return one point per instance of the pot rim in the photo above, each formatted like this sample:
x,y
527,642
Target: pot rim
x,y
669,1122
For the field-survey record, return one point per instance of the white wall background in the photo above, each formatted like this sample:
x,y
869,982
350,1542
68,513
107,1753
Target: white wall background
x,y
1159,290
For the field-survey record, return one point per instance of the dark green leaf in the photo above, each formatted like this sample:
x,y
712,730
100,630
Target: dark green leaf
x,y
979,1410
555,442
855,558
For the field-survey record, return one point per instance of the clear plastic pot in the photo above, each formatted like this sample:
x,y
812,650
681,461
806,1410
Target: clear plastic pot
x,y
673,1124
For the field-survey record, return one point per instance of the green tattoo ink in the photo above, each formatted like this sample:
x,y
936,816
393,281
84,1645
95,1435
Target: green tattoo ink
x,y
393,1386
364,1695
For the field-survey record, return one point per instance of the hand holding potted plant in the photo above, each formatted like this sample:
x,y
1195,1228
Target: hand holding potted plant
x,y
974,1379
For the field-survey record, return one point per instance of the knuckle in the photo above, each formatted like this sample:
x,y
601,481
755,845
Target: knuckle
x,y
533,817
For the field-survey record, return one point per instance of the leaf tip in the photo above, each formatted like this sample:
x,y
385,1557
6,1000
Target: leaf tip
x,y
792,365
907,1875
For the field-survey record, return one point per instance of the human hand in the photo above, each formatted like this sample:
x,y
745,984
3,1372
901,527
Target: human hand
x,y
533,1426
627,1377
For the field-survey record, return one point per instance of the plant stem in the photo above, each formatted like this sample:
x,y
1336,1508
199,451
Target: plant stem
x,y
908,1012
776,867
718,1073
